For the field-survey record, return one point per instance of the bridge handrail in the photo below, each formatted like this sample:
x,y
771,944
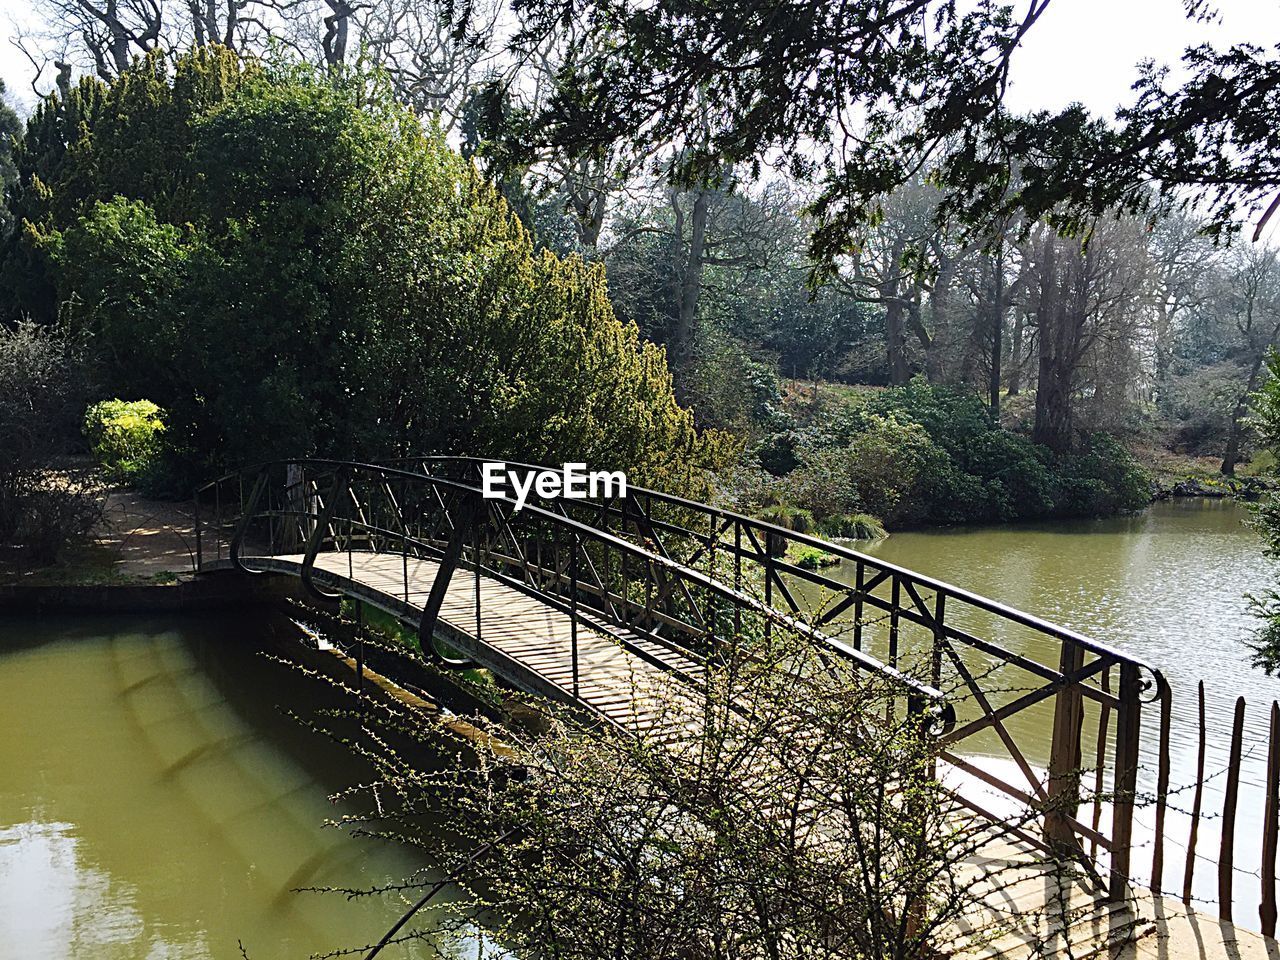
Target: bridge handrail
x,y
1021,617
867,661
1048,627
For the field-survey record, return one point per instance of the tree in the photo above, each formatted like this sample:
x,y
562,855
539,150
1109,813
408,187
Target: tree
x,y
782,83
95,141
1254,296
382,297
1208,144
1183,262
879,272
861,98
10,129
1082,296
106,37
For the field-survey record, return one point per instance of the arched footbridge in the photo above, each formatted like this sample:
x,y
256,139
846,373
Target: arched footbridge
x,y
574,599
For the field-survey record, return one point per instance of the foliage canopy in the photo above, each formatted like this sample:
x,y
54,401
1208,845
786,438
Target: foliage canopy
x,y
289,263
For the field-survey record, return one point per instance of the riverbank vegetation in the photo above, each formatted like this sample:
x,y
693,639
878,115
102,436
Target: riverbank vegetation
x,y
921,454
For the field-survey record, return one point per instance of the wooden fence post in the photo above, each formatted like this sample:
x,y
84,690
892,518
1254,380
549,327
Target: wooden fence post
x,y
1227,854
1064,755
1271,827
1196,805
1128,728
1162,791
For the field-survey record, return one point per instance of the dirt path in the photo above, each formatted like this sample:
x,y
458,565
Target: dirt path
x,y
148,537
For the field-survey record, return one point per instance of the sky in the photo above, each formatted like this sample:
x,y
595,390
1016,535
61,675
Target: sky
x,y
1083,50
1088,50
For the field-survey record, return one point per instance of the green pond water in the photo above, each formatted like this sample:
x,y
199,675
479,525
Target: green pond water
x,y
156,804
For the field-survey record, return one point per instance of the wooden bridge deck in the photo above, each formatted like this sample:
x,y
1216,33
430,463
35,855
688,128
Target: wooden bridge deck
x,y
526,641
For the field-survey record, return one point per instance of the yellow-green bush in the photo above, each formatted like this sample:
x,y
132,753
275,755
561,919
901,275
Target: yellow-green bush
x,y
125,436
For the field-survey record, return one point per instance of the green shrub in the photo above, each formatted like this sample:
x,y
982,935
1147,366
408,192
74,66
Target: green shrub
x,y
823,484
125,436
886,463
788,517
810,558
1020,483
924,454
1103,479
852,526
777,452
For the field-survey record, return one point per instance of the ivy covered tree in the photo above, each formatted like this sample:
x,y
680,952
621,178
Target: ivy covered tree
x,y
306,269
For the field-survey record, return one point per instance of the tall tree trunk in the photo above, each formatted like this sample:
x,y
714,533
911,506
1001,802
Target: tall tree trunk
x,y
997,332
690,281
939,302
1231,456
1015,354
1162,345
336,26
895,333
896,342
1053,427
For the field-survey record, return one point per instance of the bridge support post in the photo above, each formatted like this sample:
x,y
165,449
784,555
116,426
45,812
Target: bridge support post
x,y
1064,756
336,489
249,507
440,586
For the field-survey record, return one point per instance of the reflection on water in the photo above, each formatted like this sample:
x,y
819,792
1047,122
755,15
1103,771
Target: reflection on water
x,y
154,803
1166,586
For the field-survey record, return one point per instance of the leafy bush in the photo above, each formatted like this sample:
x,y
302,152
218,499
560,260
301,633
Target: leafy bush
x,y
810,558
1101,480
777,452
788,517
125,436
56,514
42,385
823,484
307,268
923,454
852,526
725,385
887,462
1020,483
952,419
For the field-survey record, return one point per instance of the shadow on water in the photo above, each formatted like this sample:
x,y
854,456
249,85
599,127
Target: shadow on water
x,y
156,800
